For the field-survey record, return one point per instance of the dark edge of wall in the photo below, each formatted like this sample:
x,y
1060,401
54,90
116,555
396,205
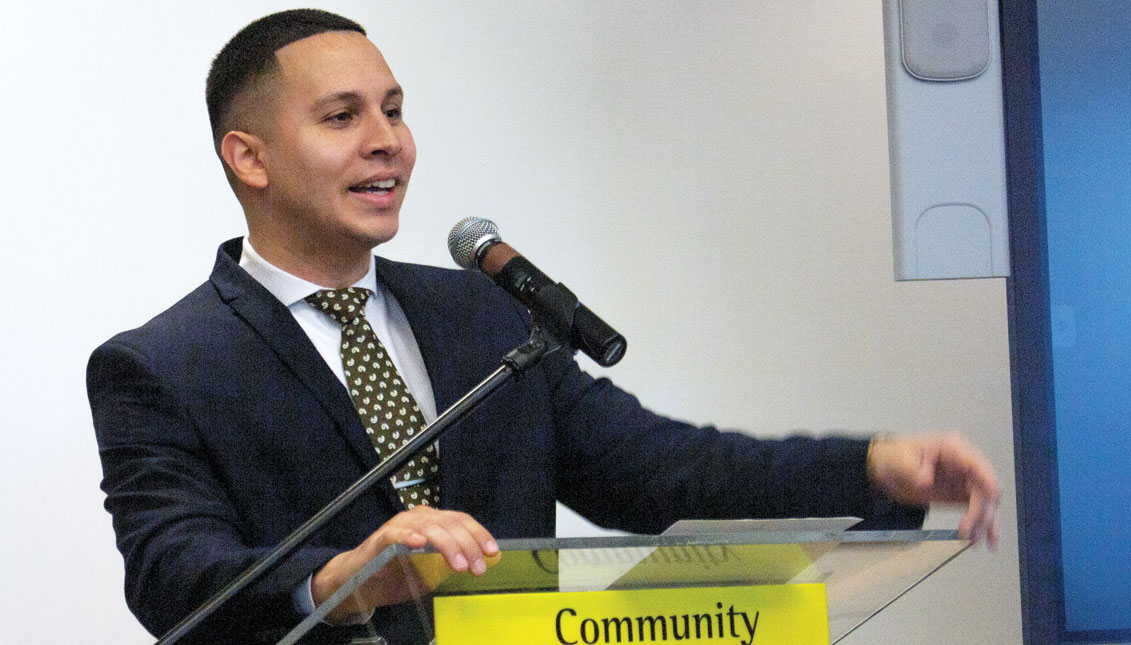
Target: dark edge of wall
x,y
1030,344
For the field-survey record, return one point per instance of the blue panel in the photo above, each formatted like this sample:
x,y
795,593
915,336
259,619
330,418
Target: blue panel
x,y
1085,61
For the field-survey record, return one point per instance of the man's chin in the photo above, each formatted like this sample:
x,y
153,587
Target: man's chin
x,y
375,237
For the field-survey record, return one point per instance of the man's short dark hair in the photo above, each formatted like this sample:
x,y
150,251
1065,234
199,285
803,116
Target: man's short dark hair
x,y
251,54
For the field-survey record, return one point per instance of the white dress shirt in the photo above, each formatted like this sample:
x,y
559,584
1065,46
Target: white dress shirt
x,y
381,311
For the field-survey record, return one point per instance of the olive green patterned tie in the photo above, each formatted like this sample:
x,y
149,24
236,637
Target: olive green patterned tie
x,y
388,410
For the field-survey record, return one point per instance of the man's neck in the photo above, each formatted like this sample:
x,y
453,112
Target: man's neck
x,y
331,268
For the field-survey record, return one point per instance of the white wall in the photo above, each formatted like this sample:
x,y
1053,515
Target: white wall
x,y
710,177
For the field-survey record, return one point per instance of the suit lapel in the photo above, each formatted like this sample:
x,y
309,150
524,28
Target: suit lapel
x,y
437,347
444,357
277,327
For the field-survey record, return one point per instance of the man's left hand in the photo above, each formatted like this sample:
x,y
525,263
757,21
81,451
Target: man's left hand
x,y
921,469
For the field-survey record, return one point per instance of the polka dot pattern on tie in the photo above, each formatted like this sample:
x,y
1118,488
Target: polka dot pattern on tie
x,y
386,407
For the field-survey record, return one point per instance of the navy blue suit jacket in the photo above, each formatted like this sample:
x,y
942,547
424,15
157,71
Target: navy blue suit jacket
x,y
221,429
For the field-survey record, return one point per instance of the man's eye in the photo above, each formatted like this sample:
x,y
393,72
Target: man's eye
x,y
393,113
340,117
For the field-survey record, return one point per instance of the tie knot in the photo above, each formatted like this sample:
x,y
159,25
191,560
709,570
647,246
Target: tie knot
x,y
343,306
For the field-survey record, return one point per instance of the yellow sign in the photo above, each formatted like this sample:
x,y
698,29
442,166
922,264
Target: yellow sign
x,y
764,615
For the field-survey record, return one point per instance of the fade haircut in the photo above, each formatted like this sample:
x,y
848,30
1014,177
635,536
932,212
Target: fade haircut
x,y
250,55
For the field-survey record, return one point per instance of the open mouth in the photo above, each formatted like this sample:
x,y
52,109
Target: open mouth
x,y
379,187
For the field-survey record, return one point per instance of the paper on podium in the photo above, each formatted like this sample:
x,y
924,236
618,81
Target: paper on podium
x,y
635,567
735,527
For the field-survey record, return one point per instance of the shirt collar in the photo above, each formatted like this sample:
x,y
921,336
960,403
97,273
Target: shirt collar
x,y
289,288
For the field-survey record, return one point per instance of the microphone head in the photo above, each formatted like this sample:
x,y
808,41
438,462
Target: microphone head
x,y
469,237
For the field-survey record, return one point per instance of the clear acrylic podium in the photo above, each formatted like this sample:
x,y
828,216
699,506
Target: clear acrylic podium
x,y
863,571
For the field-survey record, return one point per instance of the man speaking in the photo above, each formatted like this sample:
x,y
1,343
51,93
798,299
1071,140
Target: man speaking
x,y
229,419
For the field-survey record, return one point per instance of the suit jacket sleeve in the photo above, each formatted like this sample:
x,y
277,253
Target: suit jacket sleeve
x,y
176,528
625,467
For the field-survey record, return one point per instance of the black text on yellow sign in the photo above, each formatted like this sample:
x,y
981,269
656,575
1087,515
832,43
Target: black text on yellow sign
x,y
763,615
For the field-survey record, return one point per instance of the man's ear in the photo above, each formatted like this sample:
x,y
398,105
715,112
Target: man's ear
x,y
243,153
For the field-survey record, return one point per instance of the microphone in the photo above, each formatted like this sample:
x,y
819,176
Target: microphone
x,y
474,243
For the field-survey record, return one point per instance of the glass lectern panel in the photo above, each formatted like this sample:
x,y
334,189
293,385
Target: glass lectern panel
x,y
863,571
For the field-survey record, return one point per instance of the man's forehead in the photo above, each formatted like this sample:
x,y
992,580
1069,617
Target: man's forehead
x,y
329,53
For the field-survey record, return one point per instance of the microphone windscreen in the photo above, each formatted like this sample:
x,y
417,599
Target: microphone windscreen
x,y
467,237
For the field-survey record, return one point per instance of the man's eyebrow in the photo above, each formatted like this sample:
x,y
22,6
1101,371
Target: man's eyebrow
x,y
337,97
352,97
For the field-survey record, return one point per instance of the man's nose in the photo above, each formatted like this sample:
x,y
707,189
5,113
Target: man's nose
x,y
382,138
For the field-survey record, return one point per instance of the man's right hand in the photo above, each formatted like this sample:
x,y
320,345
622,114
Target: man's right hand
x,y
464,544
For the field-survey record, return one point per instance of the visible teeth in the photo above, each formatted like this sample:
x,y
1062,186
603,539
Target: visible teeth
x,y
384,184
